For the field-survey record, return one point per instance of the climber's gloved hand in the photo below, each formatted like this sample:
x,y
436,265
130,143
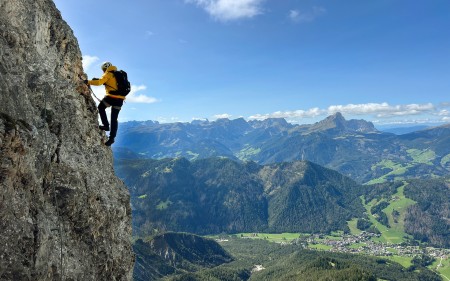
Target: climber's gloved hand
x,y
86,82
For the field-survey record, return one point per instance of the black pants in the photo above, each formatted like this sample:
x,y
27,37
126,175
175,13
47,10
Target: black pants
x,y
115,110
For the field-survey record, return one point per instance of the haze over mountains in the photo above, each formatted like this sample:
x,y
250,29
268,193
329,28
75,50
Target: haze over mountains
x,y
353,147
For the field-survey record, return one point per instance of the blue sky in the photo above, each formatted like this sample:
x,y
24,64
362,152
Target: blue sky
x,y
385,61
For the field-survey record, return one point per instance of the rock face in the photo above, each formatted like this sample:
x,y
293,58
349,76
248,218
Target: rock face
x,y
336,123
64,215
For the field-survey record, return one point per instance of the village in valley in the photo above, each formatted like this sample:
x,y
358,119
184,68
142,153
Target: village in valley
x,y
365,243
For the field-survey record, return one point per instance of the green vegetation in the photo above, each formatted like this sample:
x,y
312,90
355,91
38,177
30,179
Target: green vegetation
x,y
396,170
388,235
222,196
247,152
443,269
172,253
377,211
218,195
393,200
427,220
387,212
445,160
291,262
271,237
192,155
363,224
163,205
167,170
422,156
352,225
357,245
348,146
387,164
396,210
320,247
406,262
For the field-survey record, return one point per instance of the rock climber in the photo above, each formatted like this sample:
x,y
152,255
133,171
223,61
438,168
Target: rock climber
x,y
110,99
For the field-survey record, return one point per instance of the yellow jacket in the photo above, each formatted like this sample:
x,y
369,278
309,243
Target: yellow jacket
x,y
109,81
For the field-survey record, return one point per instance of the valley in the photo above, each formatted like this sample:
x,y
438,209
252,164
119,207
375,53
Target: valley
x,y
263,197
390,242
364,244
242,184
257,259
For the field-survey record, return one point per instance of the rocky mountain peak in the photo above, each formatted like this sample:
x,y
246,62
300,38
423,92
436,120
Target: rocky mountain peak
x,y
338,123
271,123
64,214
337,117
333,121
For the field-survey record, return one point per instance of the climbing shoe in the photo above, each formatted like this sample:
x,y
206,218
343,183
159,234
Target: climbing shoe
x,y
104,128
109,142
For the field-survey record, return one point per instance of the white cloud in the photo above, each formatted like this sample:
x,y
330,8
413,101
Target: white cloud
x,y
222,116
406,121
306,16
378,110
382,109
167,119
139,98
88,61
199,119
227,10
310,113
444,112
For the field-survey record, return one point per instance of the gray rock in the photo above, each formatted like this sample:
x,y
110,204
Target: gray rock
x,y
64,215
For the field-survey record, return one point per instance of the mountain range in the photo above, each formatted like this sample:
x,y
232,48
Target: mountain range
x,y
353,147
217,195
237,176
220,195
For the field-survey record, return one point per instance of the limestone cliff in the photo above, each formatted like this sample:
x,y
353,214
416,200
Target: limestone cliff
x,y
64,215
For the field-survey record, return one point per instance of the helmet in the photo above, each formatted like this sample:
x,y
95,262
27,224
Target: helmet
x,y
105,65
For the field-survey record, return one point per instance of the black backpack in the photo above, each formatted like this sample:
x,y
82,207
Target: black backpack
x,y
123,85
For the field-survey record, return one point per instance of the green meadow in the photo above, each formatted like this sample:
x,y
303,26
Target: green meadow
x,y
398,203
422,156
417,156
394,233
404,261
271,237
247,152
443,270
352,225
